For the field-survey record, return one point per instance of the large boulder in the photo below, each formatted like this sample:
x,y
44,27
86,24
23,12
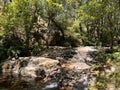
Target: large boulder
x,y
30,66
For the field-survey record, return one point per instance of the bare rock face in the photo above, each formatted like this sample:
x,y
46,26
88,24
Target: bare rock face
x,y
30,66
76,66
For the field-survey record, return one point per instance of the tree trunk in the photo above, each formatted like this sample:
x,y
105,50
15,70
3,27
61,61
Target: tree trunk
x,y
59,27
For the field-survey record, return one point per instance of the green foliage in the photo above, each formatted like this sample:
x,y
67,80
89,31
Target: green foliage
x,y
116,55
19,18
68,23
71,41
98,17
101,83
78,22
3,53
115,60
105,80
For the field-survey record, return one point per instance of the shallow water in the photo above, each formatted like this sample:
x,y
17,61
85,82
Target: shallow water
x,y
10,82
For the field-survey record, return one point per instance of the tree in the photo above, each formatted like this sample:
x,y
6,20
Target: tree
x,y
98,17
21,16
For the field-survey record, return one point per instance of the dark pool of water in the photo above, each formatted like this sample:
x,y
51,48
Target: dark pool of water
x,y
10,82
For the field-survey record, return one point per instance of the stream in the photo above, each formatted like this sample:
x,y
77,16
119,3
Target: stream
x,y
74,79
10,82
73,74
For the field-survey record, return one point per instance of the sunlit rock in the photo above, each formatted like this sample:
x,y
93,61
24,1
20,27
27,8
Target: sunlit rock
x,y
30,66
76,66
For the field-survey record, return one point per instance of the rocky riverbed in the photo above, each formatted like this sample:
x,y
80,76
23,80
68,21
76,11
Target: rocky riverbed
x,y
58,68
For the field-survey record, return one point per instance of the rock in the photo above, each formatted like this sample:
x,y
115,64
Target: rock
x,y
75,66
69,68
111,87
5,67
31,66
51,86
32,72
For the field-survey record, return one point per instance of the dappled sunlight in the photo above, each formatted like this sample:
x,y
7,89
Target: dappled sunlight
x,y
59,44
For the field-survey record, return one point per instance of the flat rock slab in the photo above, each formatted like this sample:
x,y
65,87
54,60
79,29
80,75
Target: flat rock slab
x,y
87,49
42,62
76,66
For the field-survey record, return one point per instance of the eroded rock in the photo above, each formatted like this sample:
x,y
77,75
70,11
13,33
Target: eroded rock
x,y
30,66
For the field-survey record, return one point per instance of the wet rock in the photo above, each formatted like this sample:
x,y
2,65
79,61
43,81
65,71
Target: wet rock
x,y
68,68
51,86
5,67
30,66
